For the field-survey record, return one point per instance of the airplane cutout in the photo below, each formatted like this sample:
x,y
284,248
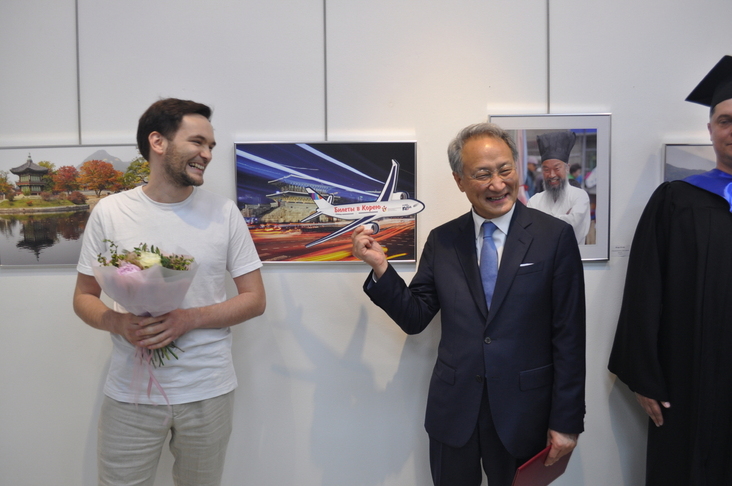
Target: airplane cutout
x,y
389,204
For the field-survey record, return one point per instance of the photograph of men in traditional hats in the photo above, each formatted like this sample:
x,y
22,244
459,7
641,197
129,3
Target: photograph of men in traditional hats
x,y
560,198
564,168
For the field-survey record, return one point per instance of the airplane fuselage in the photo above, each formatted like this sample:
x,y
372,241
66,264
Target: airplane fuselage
x,y
381,209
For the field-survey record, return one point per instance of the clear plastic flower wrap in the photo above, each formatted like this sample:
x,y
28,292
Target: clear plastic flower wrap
x,y
146,282
153,291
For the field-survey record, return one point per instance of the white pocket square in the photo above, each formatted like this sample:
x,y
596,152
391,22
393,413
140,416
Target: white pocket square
x,y
525,264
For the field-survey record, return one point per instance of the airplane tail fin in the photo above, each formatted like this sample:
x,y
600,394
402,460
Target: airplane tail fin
x,y
321,202
391,182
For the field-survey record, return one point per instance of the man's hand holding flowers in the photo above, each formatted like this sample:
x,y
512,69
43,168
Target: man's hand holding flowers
x,y
158,332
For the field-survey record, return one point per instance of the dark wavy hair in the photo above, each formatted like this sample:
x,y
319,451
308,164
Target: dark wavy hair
x,y
165,116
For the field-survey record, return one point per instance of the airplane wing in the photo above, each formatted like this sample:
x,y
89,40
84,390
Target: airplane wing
x,y
391,182
311,217
345,229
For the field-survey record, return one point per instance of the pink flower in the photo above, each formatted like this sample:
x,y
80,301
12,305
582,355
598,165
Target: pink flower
x,y
126,268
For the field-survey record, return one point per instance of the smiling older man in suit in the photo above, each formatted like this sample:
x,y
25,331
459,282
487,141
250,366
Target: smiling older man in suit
x,y
510,371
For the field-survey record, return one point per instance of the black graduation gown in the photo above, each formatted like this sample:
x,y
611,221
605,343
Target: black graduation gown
x,y
674,337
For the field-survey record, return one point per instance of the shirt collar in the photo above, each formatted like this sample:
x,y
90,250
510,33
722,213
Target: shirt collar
x,y
502,222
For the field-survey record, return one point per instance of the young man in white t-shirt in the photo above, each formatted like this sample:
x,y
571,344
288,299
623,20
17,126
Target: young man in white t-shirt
x,y
172,213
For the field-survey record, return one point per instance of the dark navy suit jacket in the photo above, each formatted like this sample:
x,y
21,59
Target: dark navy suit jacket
x,y
529,350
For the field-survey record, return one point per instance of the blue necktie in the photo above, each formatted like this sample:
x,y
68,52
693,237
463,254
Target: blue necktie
x,y
488,262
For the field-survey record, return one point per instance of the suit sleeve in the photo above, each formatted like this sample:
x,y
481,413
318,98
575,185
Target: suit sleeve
x,y
411,307
568,337
634,357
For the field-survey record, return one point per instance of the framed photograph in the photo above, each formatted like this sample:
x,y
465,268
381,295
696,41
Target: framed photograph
x,y
588,170
46,196
303,200
683,160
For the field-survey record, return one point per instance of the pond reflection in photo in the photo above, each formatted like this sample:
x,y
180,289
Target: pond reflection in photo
x,y
41,238
45,237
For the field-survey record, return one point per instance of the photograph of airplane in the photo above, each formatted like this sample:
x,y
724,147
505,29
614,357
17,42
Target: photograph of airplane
x,y
389,204
302,200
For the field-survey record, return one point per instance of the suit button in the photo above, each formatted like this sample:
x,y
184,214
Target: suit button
x,y
479,378
487,340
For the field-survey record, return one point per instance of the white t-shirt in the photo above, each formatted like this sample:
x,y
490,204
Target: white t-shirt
x,y
209,228
573,208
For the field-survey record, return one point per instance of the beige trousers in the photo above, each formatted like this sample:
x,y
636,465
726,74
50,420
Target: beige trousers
x,y
130,440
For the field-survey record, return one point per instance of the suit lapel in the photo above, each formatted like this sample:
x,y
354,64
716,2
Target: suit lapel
x,y
514,250
466,254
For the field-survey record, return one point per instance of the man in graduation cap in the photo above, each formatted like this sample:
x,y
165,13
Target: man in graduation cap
x,y
673,344
560,199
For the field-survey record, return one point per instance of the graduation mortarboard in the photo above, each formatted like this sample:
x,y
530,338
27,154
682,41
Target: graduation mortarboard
x,y
716,85
556,145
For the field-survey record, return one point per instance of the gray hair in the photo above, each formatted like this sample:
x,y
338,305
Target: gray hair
x,y
455,149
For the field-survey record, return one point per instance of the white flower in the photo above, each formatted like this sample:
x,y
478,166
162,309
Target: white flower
x,y
148,259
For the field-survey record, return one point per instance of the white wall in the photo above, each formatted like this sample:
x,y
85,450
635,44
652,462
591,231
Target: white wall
x,y
331,392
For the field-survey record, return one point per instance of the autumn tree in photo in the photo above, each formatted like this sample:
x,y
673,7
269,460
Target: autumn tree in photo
x,y
98,176
48,176
66,179
137,173
6,187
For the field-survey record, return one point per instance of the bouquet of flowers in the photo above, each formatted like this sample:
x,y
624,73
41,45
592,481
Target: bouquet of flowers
x,y
146,282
